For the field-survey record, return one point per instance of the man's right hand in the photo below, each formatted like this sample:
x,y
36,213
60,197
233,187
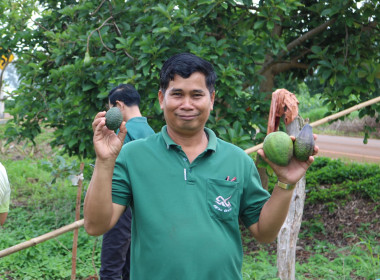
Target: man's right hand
x,y
107,143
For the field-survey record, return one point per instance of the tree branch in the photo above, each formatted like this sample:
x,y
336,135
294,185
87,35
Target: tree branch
x,y
119,34
246,7
92,32
285,66
296,43
97,9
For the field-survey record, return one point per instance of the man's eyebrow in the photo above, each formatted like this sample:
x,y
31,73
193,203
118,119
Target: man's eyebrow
x,y
175,89
181,90
198,91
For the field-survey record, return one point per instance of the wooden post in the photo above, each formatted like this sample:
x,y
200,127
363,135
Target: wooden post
x,y
2,102
77,217
288,235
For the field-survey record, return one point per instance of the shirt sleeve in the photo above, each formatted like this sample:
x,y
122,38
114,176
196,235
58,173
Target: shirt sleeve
x,y
121,191
4,207
5,190
254,197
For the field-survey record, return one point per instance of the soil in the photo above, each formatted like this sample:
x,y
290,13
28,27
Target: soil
x,y
343,227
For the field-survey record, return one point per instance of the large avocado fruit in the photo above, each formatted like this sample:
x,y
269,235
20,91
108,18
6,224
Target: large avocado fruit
x,y
278,148
114,118
304,143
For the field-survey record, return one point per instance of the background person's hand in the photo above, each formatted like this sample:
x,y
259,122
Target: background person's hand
x,y
294,171
107,143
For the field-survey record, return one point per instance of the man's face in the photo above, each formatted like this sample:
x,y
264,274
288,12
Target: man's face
x,y
187,104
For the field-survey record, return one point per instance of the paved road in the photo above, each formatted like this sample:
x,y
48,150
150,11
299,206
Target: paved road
x,y
349,148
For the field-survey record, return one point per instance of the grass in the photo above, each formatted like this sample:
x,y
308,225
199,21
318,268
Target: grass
x,y
43,199
356,262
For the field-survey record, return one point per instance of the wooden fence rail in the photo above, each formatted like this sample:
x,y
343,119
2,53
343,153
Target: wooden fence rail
x,y
41,238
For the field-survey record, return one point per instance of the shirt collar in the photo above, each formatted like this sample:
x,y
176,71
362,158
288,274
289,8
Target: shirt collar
x,y
169,142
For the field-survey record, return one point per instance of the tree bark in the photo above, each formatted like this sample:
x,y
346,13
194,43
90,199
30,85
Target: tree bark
x,y
288,235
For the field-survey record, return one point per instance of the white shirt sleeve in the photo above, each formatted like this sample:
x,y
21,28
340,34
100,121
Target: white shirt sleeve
x,y
5,189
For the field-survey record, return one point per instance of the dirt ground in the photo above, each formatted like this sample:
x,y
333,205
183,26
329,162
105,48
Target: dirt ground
x,y
343,227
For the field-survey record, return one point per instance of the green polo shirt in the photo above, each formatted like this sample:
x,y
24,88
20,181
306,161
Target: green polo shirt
x,y
137,128
185,216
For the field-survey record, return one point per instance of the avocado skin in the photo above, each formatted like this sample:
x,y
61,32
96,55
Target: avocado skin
x,y
278,148
114,118
304,143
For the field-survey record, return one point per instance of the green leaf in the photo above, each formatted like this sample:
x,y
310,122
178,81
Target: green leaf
x,y
325,63
270,25
326,12
362,73
259,24
316,49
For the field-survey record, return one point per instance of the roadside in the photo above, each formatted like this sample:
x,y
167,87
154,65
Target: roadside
x,y
349,148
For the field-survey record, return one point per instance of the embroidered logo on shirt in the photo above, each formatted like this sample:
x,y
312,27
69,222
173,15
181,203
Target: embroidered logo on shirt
x,y
224,202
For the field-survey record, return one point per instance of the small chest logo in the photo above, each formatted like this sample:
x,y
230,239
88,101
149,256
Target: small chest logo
x,y
224,202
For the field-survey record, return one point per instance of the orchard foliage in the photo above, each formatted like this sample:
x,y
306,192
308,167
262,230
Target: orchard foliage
x,y
71,53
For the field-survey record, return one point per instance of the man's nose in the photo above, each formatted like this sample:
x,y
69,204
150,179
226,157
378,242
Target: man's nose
x,y
187,102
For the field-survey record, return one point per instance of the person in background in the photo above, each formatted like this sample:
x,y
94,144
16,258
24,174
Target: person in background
x,y
186,187
5,194
115,253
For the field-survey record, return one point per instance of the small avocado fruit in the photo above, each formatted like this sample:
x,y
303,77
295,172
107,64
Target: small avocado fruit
x,y
87,59
114,118
304,143
278,148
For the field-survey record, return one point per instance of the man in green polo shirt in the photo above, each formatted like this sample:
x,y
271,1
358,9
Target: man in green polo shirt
x,y
115,255
187,189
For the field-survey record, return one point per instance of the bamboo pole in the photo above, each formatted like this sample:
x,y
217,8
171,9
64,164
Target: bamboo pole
x,y
346,112
41,238
327,119
77,216
254,148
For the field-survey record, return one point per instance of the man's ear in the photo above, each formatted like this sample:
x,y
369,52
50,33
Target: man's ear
x,y
120,105
161,98
212,100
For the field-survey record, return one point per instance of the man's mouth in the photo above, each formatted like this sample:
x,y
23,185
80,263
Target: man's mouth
x,y
187,117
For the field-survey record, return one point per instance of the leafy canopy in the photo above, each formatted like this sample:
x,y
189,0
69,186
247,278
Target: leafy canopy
x,y
71,53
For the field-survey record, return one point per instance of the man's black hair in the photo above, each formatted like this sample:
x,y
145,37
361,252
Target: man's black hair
x,y
126,93
184,65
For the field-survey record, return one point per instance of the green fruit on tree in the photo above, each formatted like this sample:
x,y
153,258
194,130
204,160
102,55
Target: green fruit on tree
x,y
278,148
114,118
87,59
304,143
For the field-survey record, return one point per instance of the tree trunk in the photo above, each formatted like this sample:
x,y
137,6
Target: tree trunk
x,y
288,235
